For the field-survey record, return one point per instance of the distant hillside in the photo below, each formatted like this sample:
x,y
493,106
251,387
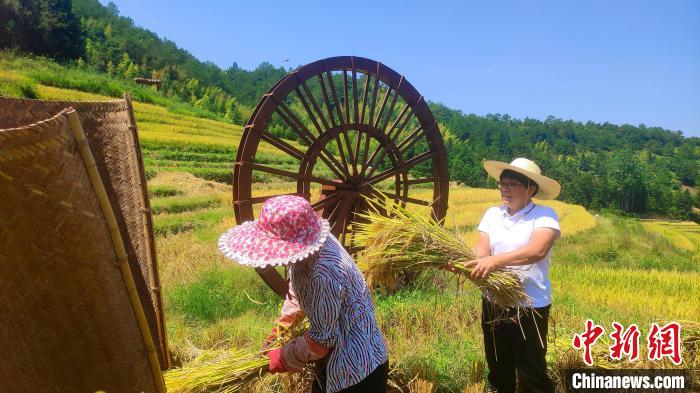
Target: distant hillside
x,y
637,170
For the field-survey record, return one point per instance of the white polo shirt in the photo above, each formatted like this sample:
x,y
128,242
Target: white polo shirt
x,y
508,233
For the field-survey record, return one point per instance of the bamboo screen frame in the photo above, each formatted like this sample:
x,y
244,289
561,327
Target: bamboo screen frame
x,y
73,319
111,131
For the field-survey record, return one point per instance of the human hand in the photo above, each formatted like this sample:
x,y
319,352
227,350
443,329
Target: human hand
x,y
482,267
448,267
451,267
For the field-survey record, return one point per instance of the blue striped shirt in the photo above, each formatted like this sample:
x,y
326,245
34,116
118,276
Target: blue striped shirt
x,y
332,292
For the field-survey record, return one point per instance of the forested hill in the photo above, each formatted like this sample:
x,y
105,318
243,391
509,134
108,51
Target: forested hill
x,y
632,169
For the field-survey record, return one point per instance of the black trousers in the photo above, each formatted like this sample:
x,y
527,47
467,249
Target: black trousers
x,y
375,382
507,350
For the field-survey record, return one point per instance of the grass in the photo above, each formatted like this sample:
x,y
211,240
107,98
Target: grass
x,y
162,191
41,71
208,299
178,204
14,84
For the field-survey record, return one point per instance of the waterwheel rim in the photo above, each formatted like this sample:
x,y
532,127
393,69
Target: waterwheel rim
x,y
358,125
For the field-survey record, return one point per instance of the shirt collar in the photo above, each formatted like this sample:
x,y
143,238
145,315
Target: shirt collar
x,y
523,211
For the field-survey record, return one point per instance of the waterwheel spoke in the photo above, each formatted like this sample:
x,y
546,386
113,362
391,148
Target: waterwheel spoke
x,y
338,141
326,100
391,110
273,280
346,137
343,167
339,215
314,104
325,202
358,134
294,123
416,201
397,131
354,94
261,199
346,102
382,106
297,126
398,119
347,222
278,143
393,136
373,167
365,151
334,94
403,167
309,111
356,159
374,194
374,97
414,137
292,175
375,162
368,77
371,160
419,181
359,204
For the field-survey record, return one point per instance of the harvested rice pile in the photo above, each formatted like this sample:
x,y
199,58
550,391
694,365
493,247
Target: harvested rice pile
x,y
228,371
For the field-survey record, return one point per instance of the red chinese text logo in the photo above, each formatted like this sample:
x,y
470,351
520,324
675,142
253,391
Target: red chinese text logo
x,y
586,339
663,342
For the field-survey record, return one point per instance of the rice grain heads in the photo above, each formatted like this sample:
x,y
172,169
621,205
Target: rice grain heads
x,y
396,240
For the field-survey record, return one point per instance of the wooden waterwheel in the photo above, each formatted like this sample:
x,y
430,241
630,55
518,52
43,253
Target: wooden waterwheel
x,y
335,131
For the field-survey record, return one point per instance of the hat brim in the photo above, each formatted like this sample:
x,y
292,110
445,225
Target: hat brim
x,y
548,187
250,245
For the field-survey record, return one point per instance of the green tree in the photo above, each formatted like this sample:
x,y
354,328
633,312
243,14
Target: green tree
x,y
42,27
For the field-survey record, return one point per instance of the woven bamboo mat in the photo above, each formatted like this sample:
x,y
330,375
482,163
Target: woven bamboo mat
x,y
111,132
68,323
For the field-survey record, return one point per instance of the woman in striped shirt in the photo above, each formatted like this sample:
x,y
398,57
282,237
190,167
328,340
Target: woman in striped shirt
x,y
325,286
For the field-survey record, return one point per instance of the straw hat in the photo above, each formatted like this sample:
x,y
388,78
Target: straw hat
x,y
548,188
287,231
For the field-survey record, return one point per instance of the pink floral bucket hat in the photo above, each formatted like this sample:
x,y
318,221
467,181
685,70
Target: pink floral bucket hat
x,y
288,230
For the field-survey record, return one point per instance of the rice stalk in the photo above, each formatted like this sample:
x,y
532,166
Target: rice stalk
x,y
396,240
228,370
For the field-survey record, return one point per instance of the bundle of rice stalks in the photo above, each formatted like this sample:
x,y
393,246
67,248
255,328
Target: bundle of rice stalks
x,y
396,240
228,371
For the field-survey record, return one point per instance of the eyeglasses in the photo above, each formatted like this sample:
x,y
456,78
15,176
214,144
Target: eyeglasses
x,y
509,184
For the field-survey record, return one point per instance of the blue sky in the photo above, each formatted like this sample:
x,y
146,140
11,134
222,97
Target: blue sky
x,y
619,61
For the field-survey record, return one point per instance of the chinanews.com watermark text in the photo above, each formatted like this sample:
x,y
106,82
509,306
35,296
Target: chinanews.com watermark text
x,y
662,343
628,380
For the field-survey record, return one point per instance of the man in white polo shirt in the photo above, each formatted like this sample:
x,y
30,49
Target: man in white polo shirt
x,y
518,235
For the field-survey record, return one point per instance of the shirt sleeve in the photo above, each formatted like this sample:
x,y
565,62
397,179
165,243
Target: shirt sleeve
x,y
300,351
485,224
291,310
547,218
326,296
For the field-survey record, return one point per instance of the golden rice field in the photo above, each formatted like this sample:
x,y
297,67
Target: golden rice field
x,y
604,268
685,235
176,142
